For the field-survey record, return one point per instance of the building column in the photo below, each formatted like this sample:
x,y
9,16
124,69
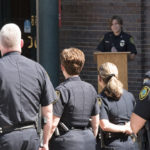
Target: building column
x,y
48,38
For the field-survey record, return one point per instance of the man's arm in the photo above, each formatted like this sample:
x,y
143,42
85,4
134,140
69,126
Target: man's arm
x,y
47,115
95,124
55,123
137,123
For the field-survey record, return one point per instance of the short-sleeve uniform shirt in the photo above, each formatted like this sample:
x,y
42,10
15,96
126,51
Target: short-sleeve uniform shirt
x,y
117,111
24,85
77,102
142,108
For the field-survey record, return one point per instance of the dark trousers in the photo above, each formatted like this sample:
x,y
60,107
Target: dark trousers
x,y
74,140
26,139
121,144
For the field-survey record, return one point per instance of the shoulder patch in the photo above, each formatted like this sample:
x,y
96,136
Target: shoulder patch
x,y
144,92
131,40
101,38
99,101
58,96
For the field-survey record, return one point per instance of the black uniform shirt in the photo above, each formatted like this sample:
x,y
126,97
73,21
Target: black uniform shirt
x,y
117,111
24,84
142,108
77,103
122,43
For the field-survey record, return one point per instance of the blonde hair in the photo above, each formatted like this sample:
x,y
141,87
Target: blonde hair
x,y
109,74
73,60
10,36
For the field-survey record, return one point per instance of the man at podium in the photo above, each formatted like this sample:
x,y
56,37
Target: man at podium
x,y
117,40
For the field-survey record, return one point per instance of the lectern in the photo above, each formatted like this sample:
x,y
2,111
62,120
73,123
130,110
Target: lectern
x,y
120,59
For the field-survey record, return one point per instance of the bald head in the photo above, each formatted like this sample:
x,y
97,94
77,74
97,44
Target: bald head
x,y
10,38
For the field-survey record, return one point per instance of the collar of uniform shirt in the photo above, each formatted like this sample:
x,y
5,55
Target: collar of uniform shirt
x,y
12,53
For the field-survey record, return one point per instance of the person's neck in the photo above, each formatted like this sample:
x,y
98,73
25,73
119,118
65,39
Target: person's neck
x,y
103,86
3,52
117,33
68,76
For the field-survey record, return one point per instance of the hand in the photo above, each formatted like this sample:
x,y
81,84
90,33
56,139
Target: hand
x,y
113,49
128,128
45,147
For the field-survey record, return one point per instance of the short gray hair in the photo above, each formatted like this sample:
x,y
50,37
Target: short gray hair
x,y
10,36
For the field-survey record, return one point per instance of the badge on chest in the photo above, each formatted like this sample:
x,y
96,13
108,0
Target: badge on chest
x,y
122,43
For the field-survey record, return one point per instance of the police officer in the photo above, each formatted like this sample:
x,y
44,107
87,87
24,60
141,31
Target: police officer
x,y
117,40
24,85
117,106
75,108
141,112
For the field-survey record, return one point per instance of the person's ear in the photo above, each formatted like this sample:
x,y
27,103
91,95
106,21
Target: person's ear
x,y
99,78
62,68
22,43
1,50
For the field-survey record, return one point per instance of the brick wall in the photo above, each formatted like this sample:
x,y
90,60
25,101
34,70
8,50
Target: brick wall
x,y
145,35
84,22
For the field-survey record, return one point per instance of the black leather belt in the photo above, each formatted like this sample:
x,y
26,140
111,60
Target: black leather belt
x,y
7,129
80,128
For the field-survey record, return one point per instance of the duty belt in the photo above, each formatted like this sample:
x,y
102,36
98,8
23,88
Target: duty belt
x,y
15,128
109,135
62,129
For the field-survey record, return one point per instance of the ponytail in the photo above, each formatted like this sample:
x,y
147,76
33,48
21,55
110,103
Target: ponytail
x,y
109,74
114,88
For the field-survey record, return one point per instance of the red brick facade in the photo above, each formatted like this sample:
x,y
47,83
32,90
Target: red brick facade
x,y
84,22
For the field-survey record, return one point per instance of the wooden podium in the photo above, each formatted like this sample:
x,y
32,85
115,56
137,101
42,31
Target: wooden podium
x,y
120,59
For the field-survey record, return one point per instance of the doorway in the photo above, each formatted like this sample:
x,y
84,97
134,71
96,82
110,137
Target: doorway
x,y
23,13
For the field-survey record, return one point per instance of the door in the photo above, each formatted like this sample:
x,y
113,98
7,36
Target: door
x,y
23,13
